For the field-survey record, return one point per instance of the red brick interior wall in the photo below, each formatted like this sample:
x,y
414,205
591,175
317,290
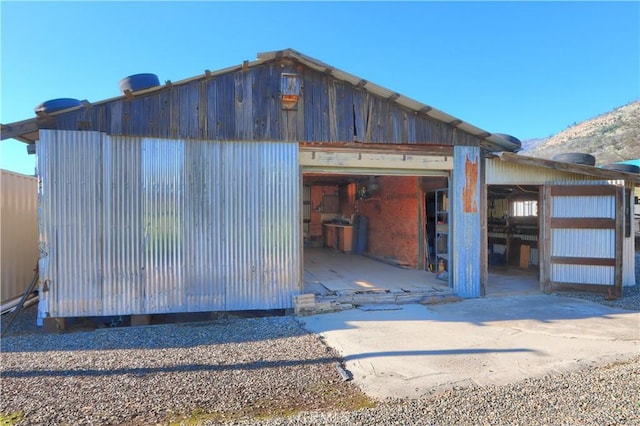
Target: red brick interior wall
x,y
393,219
348,200
315,226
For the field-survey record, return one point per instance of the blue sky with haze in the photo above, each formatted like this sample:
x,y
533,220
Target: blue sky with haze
x,y
527,69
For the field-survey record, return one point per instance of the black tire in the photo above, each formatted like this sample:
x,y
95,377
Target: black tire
x,y
511,139
53,105
575,158
137,82
629,168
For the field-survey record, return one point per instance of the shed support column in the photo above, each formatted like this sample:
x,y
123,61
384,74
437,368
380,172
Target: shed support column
x,y
466,247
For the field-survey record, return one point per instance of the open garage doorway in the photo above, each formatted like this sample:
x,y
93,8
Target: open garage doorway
x,y
367,234
513,237
364,220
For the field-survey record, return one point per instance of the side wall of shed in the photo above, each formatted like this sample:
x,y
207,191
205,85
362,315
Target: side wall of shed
x,y
499,172
18,232
144,225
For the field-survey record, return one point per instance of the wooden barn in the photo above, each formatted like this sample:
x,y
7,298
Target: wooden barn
x,y
217,193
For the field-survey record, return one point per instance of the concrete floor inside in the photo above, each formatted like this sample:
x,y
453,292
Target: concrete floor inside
x,y
333,275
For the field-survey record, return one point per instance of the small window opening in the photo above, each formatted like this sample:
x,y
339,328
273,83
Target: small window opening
x,y
524,208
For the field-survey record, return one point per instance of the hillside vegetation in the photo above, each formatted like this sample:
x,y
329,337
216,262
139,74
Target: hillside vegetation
x,y
611,137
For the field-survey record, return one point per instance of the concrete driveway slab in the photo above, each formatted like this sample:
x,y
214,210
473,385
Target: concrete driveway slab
x,y
419,350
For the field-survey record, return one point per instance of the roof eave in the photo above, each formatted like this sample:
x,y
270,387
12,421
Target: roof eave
x,y
570,167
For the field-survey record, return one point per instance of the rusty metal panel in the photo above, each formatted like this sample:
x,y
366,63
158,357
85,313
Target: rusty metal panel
x,y
18,232
140,225
465,246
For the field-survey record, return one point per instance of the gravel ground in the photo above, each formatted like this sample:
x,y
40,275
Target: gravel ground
x,y
155,374
604,395
268,371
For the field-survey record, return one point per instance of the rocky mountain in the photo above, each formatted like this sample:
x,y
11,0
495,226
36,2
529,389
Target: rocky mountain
x,y
611,137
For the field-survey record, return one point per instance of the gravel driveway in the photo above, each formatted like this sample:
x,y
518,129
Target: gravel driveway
x,y
263,371
268,371
158,374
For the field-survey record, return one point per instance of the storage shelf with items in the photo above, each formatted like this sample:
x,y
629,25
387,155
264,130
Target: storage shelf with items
x,y
442,234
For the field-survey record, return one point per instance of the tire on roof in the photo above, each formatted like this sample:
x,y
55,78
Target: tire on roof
x,y
137,82
629,168
511,139
59,104
575,158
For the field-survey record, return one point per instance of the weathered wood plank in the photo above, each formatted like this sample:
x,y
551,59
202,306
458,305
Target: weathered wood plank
x,y
203,124
300,115
212,109
582,223
164,114
332,111
590,261
307,102
359,113
582,190
344,110
17,129
116,118
266,103
133,109
320,110
174,112
244,105
225,100
375,160
190,102
367,147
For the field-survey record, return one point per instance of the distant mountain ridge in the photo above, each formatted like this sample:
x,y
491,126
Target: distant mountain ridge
x,y
611,137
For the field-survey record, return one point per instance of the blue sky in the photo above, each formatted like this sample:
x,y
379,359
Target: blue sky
x,y
526,69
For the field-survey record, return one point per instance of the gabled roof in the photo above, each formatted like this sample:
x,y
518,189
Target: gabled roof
x,y
27,130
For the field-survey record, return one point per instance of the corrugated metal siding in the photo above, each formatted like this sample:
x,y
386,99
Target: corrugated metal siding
x,y
139,225
583,206
18,232
122,262
583,243
499,172
71,226
597,243
583,274
465,249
